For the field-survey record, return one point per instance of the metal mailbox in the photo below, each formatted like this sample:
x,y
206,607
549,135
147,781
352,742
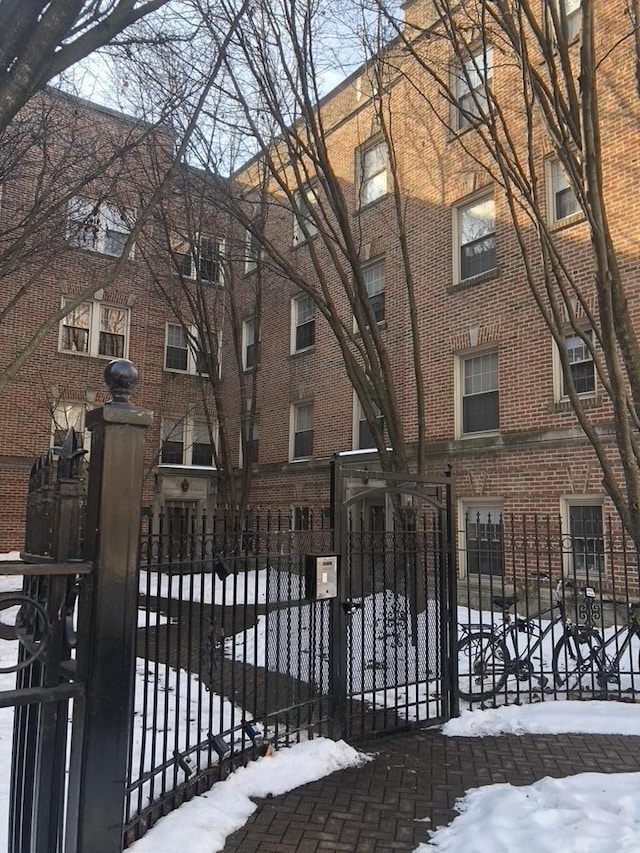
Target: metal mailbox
x,y
321,572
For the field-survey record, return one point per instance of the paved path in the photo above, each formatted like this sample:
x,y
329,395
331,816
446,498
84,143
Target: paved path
x,y
381,807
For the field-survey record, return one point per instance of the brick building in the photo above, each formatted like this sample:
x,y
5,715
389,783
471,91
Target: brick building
x,y
496,406
496,402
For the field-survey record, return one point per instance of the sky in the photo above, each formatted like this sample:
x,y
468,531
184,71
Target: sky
x,y
586,813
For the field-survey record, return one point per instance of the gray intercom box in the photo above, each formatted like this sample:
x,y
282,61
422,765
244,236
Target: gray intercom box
x,y
321,571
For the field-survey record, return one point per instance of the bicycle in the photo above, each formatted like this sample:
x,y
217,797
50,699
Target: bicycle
x,y
485,659
582,661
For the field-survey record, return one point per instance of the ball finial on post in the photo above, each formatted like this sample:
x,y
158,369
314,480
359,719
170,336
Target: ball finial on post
x,y
121,378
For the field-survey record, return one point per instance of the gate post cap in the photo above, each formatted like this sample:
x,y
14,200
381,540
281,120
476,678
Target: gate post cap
x,y
121,378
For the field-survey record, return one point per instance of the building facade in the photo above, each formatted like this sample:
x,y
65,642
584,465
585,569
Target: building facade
x,y
420,260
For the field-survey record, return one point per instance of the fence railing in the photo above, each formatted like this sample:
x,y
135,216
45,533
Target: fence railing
x,y
231,655
545,611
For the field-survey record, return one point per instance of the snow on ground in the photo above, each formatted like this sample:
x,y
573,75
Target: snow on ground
x,y
586,813
203,824
552,717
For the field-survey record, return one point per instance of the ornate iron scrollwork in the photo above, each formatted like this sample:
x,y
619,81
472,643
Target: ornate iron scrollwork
x,y
31,628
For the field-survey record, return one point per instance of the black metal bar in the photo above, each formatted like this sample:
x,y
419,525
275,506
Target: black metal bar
x,y
106,634
337,624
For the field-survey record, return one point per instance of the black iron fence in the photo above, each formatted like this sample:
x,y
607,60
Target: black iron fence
x,y
231,652
547,608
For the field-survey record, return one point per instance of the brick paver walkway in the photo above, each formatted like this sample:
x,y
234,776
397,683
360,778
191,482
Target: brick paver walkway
x,y
382,806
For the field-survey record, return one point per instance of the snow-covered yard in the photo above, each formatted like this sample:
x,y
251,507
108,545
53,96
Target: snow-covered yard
x,y
588,813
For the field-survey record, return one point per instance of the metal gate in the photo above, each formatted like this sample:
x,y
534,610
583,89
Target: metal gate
x,y
394,622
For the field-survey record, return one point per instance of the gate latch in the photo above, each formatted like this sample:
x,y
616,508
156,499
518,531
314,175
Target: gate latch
x,y
349,606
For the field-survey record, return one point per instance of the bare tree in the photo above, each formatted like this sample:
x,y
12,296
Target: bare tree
x,y
200,285
41,39
297,185
56,150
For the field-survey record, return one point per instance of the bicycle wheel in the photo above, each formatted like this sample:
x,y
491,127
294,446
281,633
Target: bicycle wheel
x,y
483,662
578,660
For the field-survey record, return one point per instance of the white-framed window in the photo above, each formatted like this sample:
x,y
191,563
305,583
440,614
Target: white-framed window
x,y
187,441
301,431
304,225
66,416
480,536
250,345
301,519
373,275
475,237
372,163
581,366
303,323
470,82
569,19
252,250
199,259
98,226
561,199
362,435
185,352
95,329
478,398
583,536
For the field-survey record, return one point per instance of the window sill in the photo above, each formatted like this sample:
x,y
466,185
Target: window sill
x,y
364,208
470,436
568,221
381,324
481,278
172,466
589,401
91,355
303,241
302,351
301,459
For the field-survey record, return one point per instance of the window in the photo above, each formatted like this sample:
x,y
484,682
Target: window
x,y
569,17
186,441
301,431
304,226
584,547
181,353
251,432
470,84
372,172
66,416
476,238
363,435
253,250
95,329
482,539
97,226
201,260
250,346
479,383
561,200
581,366
303,324
374,283
301,518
